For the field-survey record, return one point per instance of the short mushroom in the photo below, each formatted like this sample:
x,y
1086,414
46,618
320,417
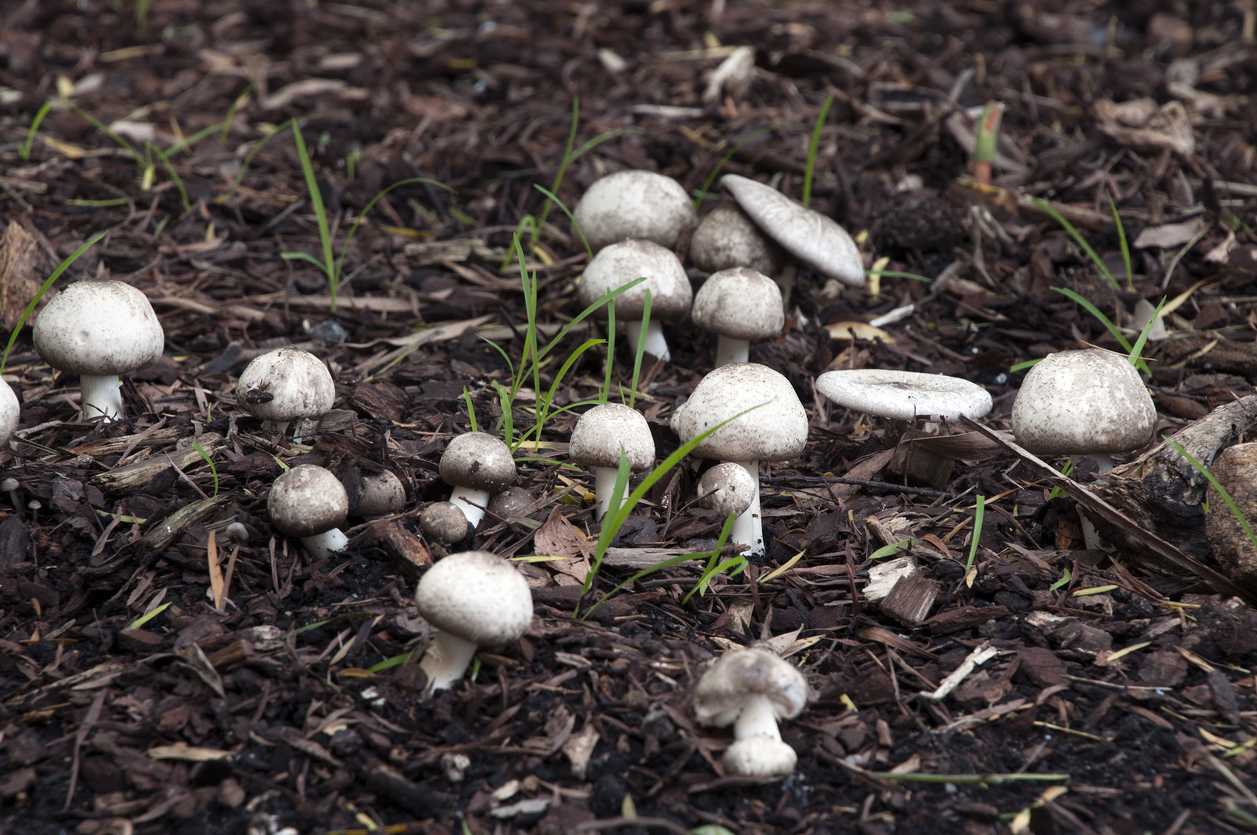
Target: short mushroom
x,y
511,502
476,465
727,238
634,204
443,522
10,413
741,306
285,385
904,395
751,689
474,599
773,428
310,503
378,495
99,330
670,291
727,488
808,235
599,436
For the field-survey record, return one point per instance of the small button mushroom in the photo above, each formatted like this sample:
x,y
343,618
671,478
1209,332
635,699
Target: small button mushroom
x,y
476,465
378,495
310,503
474,599
774,429
511,502
10,413
727,488
727,238
741,306
751,689
596,442
285,385
443,522
99,330
634,204
670,292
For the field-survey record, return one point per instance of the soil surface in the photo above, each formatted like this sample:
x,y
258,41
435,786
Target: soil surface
x,y
169,662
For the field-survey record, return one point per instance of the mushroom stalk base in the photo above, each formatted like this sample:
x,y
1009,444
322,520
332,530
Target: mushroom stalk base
x,y
655,344
748,529
323,545
471,502
604,489
446,660
101,397
757,718
730,350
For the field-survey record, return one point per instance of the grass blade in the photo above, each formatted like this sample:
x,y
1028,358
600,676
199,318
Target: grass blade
x,y
1121,238
813,148
320,212
1047,209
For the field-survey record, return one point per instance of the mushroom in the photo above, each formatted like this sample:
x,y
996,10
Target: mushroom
x,y
511,502
741,306
599,436
727,488
904,395
774,429
444,522
670,292
310,503
10,413
285,385
378,495
727,238
476,465
808,235
751,689
99,330
473,598
634,204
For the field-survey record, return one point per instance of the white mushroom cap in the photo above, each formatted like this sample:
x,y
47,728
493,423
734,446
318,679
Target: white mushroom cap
x,y
810,236
99,329
759,755
725,688
601,431
904,395
728,238
740,303
478,461
285,385
444,522
307,500
619,263
727,488
379,494
634,204
10,413
1083,403
776,431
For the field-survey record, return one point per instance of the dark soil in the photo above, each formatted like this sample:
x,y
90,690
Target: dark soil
x,y
266,717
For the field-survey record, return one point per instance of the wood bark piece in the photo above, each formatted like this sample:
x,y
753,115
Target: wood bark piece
x,y
911,598
1236,470
954,620
134,476
406,553
19,274
918,465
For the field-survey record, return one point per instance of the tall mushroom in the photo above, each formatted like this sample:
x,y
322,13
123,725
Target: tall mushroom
x,y
285,385
476,465
774,429
634,204
596,442
99,330
670,293
310,503
474,599
740,306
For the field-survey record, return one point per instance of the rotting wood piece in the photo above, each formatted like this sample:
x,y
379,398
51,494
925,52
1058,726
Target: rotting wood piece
x,y
954,620
19,266
911,598
135,476
406,553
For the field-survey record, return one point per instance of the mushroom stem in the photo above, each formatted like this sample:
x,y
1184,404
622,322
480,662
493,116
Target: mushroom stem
x,y
604,489
729,349
323,545
655,344
101,397
756,719
748,530
471,502
446,660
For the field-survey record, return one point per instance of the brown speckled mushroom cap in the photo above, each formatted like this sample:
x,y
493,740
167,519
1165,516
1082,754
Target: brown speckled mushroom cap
x,y
99,329
634,204
722,690
619,263
476,596
741,303
478,461
776,431
307,500
285,385
10,413
728,238
601,431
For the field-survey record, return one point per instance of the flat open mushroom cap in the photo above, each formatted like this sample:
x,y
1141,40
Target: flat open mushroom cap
x,y
740,303
601,431
904,395
284,385
477,596
746,672
307,500
776,431
634,204
99,329
807,235
619,263
728,238
1083,403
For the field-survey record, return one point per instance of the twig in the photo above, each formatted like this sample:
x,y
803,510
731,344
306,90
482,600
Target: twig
x,y
801,480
